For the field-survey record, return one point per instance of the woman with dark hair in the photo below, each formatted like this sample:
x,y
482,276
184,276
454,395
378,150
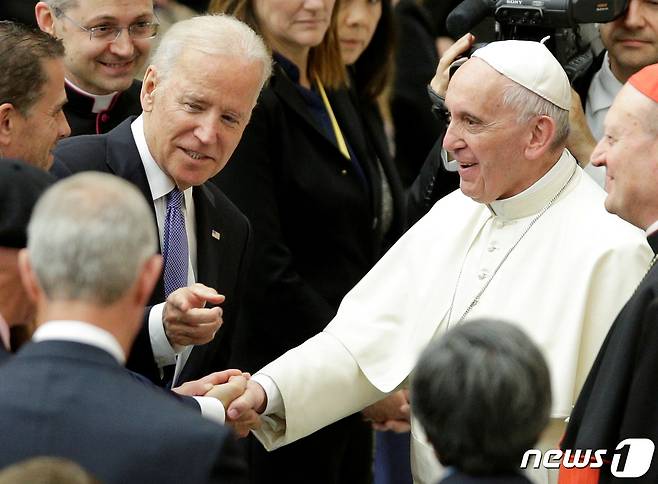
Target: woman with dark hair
x,y
367,36
314,190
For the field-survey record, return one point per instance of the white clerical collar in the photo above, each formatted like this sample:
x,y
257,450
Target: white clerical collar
x,y
159,182
80,332
534,198
652,228
603,88
102,102
4,333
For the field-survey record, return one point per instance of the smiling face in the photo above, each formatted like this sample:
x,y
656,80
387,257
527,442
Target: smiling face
x,y
292,27
629,151
98,66
357,21
485,137
194,118
632,39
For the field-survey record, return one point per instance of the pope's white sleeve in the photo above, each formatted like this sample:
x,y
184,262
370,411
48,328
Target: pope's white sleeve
x,y
319,383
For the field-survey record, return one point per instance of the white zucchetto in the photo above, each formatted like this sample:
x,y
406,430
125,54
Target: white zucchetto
x,y
530,64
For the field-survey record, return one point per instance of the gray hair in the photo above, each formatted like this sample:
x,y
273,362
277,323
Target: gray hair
x,y
62,5
528,104
88,237
213,35
482,393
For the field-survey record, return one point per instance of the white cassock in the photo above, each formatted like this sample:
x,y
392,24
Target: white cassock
x,y
563,283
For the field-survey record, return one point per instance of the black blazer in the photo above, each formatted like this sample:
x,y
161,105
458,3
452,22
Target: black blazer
x,y
221,264
72,400
618,399
316,223
19,11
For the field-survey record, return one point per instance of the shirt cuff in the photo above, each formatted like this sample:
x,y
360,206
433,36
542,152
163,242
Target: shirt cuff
x,y
163,353
212,409
274,399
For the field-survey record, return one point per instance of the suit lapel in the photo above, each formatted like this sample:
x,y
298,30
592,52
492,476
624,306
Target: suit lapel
x,y
123,160
209,234
210,246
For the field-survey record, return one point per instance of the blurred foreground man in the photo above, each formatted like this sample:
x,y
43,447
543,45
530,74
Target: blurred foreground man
x,y
514,243
66,393
618,400
21,185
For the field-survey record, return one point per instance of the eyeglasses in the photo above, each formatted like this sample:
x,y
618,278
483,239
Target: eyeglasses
x,y
110,33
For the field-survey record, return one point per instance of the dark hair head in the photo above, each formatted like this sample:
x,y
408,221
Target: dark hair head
x,y
482,393
22,76
324,59
374,67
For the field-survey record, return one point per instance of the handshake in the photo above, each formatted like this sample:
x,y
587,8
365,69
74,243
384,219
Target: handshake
x,y
242,399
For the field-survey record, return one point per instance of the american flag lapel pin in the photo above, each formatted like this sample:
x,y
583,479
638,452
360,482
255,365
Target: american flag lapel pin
x,y
216,235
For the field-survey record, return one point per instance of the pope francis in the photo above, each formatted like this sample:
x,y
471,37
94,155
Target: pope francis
x,y
525,239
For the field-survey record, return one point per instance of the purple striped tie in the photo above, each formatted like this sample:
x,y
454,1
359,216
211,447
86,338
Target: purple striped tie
x,y
174,248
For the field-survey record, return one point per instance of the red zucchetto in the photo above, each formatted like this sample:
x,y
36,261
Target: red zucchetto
x,y
646,81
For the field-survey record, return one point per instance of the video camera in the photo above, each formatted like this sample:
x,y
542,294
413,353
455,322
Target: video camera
x,y
559,20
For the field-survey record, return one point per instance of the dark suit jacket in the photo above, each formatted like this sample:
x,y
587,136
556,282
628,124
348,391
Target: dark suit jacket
x,y
83,121
4,354
221,263
75,401
19,11
316,225
618,400
461,478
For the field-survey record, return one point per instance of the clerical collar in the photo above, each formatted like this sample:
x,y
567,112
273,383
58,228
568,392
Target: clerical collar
x,y
95,103
80,332
603,88
534,198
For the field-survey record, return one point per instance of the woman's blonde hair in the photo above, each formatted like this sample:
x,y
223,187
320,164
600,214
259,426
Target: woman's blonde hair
x,y
324,59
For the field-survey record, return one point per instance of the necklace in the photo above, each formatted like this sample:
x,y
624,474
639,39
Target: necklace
x,y
476,299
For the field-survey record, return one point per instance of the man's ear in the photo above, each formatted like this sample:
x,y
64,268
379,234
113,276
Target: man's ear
x,y
541,136
149,85
8,121
45,18
28,278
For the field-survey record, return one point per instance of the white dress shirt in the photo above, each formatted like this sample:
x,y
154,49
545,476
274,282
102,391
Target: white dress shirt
x,y
161,184
88,334
602,92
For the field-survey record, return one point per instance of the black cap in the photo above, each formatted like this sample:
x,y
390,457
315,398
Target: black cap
x,y
21,185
